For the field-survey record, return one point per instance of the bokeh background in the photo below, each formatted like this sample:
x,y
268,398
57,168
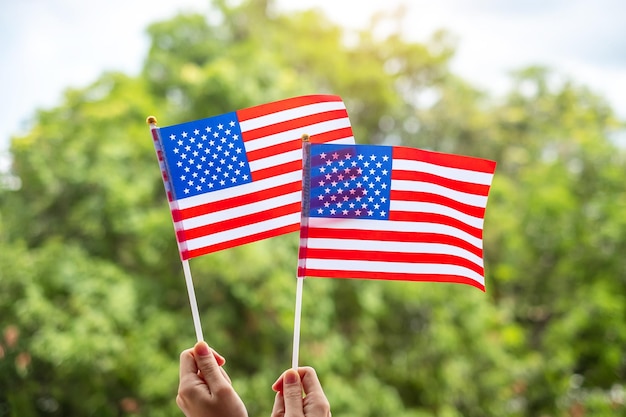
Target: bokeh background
x,y
93,306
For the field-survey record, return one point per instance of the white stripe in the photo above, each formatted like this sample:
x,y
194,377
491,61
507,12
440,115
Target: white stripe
x,y
445,172
405,247
296,134
427,187
348,140
243,210
417,207
393,267
249,188
290,114
386,225
243,231
275,160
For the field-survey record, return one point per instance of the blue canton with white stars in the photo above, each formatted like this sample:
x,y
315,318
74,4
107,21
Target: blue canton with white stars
x,y
350,181
205,155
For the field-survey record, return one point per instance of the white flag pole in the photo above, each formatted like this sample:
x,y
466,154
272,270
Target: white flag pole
x,y
304,232
192,301
296,323
156,139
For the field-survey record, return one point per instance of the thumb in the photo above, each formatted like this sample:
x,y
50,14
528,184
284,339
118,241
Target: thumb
x,y
292,394
209,366
202,349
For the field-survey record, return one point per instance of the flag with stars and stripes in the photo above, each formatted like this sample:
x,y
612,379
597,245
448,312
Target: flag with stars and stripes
x,y
236,178
394,213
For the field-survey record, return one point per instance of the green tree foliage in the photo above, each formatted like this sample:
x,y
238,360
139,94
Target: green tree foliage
x,y
94,307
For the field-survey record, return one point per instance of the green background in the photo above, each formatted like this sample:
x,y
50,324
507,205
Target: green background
x,y
93,305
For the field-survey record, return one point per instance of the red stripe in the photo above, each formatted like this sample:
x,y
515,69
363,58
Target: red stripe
x,y
274,150
395,257
236,201
462,186
393,276
291,124
410,216
332,135
188,254
296,144
278,170
276,106
252,218
322,233
445,159
421,197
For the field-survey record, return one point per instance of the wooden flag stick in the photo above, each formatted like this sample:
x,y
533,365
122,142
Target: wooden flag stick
x,y
156,139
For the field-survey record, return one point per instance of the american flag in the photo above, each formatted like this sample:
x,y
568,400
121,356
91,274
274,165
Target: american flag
x,y
394,213
237,178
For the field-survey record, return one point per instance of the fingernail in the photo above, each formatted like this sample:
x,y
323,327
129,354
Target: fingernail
x,y
202,349
291,377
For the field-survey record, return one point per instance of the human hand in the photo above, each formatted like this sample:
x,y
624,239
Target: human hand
x,y
291,386
205,390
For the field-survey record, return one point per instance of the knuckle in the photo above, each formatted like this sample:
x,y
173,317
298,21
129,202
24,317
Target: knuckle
x,y
321,408
184,354
292,393
223,391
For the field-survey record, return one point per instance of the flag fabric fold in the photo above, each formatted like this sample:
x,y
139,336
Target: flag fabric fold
x,y
236,178
394,213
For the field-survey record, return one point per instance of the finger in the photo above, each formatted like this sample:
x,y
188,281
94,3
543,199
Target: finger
x,y
207,364
292,394
187,363
279,406
226,376
315,402
278,385
219,358
310,382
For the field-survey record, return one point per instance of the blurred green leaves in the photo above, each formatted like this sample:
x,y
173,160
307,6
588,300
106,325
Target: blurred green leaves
x,y
93,305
